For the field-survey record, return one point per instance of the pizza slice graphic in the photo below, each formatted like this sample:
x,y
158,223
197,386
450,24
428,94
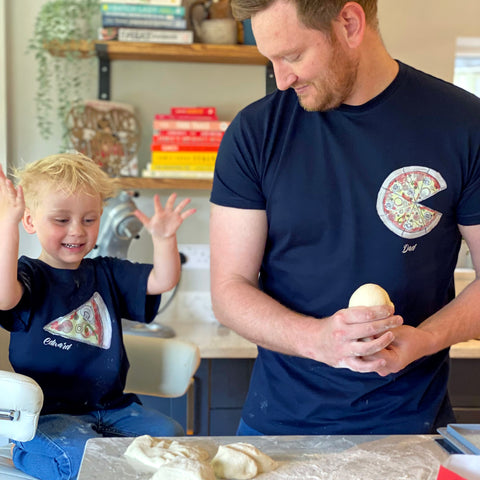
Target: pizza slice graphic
x,y
399,201
90,323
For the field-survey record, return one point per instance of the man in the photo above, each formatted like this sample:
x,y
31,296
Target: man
x,y
359,169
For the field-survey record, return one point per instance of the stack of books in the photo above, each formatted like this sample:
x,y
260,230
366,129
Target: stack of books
x,y
157,21
185,143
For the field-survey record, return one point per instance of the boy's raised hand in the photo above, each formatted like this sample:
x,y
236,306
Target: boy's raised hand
x,y
12,203
166,220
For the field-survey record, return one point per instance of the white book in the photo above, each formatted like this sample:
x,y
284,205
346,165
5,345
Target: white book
x,y
152,35
147,2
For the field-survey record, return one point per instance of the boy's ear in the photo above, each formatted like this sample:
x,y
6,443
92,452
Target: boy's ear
x,y
27,221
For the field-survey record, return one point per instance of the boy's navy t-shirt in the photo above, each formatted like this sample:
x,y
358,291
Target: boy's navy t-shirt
x,y
360,194
66,332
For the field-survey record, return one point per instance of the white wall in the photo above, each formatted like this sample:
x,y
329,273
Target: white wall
x,y
423,32
419,32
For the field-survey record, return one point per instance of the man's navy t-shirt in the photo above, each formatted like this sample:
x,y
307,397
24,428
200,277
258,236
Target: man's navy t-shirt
x,y
360,194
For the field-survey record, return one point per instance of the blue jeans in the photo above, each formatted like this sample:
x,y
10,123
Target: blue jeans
x,y
57,449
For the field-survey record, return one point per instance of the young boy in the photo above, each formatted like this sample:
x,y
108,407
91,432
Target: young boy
x,y
64,311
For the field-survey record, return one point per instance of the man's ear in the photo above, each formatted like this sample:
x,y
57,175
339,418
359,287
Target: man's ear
x,y
352,23
27,221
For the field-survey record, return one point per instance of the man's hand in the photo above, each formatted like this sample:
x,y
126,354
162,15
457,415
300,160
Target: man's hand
x,y
409,345
344,333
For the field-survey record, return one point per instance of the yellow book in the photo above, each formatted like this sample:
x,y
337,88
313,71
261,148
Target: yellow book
x,y
191,168
183,159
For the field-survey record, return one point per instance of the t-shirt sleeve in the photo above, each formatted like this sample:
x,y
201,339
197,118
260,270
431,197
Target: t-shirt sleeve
x,y
131,280
468,210
237,177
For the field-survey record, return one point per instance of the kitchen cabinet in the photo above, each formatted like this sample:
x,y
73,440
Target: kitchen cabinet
x,y
464,389
220,388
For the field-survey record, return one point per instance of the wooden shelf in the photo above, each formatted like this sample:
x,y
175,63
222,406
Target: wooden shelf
x,y
196,52
165,52
138,183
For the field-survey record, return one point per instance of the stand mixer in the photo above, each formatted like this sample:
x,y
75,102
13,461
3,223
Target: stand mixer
x,y
118,227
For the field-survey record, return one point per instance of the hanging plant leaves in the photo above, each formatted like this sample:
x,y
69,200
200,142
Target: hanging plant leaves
x,y
62,39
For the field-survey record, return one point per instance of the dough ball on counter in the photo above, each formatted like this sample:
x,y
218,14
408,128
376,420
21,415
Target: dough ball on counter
x,y
185,469
264,462
369,295
155,452
233,464
241,461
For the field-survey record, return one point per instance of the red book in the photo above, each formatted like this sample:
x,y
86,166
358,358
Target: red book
x,y
210,112
173,147
179,116
187,139
175,124
209,135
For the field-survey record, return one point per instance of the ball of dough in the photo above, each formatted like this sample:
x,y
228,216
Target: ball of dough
x,y
155,452
264,462
233,464
369,295
185,469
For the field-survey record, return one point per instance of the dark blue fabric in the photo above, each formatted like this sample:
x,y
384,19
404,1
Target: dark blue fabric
x,y
318,176
77,377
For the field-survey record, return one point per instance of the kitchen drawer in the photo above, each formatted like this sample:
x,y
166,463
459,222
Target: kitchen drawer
x,y
464,382
224,421
230,379
467,415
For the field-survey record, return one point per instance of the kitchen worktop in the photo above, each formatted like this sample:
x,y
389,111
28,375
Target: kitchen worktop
x,y
192,319
416,457
217,341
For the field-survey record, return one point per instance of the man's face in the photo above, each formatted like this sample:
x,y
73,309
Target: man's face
x,y
318,67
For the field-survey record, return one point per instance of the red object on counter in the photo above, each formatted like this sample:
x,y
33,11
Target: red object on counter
x,y
446,474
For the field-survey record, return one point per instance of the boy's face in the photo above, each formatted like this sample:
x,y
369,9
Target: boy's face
x,y
66,226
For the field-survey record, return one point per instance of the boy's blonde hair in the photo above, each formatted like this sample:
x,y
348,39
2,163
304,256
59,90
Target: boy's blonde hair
x,y
69,172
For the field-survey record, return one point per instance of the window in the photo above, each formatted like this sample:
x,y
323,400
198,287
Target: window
x,y
467,64
3,89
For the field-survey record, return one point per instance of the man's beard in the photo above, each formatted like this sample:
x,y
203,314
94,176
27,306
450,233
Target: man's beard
x,y
336,85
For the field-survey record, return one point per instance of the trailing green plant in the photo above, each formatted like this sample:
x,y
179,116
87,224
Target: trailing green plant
x,y
63,74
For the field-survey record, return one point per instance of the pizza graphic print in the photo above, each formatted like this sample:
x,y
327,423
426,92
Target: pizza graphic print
x,y
399,201
89,323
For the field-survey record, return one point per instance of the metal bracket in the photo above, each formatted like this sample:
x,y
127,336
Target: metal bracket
x,y
270,84
103,71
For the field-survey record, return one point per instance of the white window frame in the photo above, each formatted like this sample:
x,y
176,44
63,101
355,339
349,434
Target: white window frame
x,y
3,87
468,77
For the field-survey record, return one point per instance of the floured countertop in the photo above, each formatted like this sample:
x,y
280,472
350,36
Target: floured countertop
x,y
398,457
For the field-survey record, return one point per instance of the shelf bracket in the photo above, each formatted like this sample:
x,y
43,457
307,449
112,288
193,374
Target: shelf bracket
x,y
270,84
103,71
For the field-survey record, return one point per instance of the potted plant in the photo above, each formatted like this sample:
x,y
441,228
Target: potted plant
x,y
62,39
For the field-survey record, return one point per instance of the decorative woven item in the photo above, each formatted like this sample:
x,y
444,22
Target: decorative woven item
x,y
108,133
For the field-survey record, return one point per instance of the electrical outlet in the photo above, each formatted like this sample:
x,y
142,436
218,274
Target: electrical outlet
x,y
197,255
